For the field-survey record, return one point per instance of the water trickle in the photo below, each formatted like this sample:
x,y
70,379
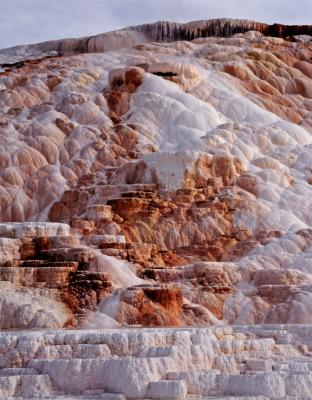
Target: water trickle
x,y
122,275
107,312
121,272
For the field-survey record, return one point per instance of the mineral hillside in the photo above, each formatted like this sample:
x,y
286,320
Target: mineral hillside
x,y
156,214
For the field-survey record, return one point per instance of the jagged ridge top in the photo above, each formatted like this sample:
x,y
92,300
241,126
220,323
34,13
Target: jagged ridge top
x,y
157,31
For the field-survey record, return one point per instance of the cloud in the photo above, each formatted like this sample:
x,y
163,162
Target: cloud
x,y
28,21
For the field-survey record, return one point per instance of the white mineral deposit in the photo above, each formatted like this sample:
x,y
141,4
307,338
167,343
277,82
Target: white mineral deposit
x,y
156,214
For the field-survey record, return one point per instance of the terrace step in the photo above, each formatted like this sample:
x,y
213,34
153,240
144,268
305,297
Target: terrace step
x,y
31,386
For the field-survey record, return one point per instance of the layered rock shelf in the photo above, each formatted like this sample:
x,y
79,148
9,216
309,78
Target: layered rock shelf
x,y
50,269
251,362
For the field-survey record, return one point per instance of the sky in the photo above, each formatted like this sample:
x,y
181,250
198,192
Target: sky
x,y
30,21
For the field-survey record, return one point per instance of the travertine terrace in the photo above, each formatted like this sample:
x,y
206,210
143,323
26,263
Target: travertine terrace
x,y
155,214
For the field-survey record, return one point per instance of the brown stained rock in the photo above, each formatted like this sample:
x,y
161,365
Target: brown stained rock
x,y
241,234
269,87
82,255
275,294
123,82
141,252
126,206
184,199
86,290
212,300
53,81
72,202
70,265
30,247
264,236
118,103
128,137
84,226
224,167
248,182
152,314
55,276
287,277
211,283
50,275
169,298
98,212
170,258
239,249
219,281
150,217
150,306
133,78
87,180
184,75
211,253
64,125
140,194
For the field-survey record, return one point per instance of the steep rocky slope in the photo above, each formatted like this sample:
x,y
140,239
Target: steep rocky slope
x,y
159,177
